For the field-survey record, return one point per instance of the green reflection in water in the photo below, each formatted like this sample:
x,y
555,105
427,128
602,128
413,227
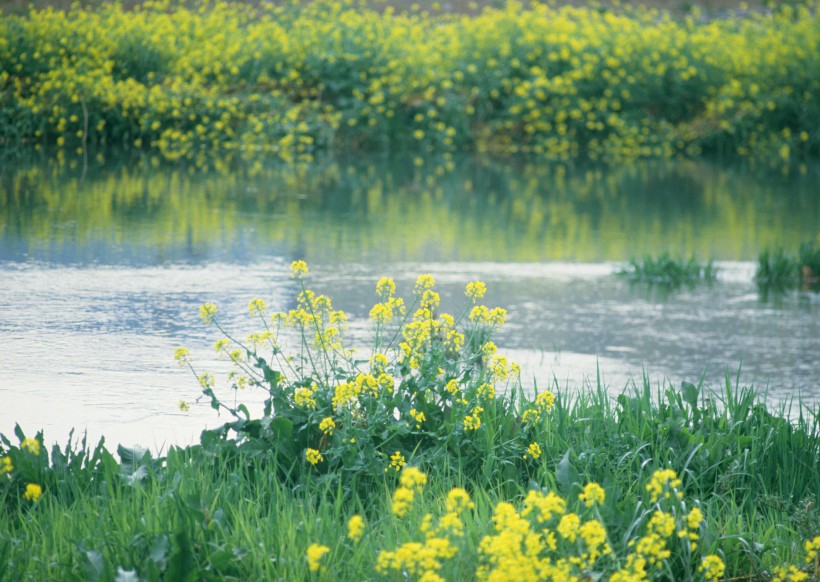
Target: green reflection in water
x,y
388,210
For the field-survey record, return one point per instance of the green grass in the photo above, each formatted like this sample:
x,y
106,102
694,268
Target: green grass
x,y
669,271
213,513
780,270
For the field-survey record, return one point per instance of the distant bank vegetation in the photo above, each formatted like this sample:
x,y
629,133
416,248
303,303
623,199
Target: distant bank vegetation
x,y
193,80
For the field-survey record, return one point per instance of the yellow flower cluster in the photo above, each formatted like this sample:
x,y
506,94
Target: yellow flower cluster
x,y
314,556
418,416
789,574
712,567
664,483
6,466
327,425
593,494
33,492
191,81
473,421
355,528
812,547
303,397
313,456
533,451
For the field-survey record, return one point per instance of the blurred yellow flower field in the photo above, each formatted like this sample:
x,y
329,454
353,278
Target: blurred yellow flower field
x,y
234,80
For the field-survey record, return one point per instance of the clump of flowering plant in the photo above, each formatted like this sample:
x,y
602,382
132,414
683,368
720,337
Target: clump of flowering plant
x,y
433,385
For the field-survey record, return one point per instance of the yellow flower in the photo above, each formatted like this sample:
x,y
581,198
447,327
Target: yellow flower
x,y
314,556
385,288
313,456
663,479
181,355
327,425
31,445
298,269
207,312
418,416
355,528
545,401
402,501
424,282
412,478
475,290
594,535
33,492
6,465
458,499
303,397
695,517
533,451
593,494
812,549
184,406
568,526
712,567
256,306
397,461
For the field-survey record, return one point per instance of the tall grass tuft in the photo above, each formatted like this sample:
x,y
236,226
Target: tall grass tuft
x,y
665,270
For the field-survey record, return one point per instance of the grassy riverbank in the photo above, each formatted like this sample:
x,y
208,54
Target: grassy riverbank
x,y
236,80
423,460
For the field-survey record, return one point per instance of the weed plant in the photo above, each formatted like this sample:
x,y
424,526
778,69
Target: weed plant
x,y
668,271
779,270
216,80
424,460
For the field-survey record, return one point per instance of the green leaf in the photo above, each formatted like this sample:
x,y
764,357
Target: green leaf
x,y
566,473
159,551
94,565
690,393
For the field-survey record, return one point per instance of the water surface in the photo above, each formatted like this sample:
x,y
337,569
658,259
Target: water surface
x,y
102,273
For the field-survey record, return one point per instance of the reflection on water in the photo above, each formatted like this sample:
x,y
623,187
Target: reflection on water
x,y
387,210
101,276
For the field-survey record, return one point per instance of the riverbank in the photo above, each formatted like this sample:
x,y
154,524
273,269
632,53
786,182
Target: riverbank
x,y
222,81
422,459
226,511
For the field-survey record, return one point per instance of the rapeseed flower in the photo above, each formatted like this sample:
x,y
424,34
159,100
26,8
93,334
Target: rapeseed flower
x,y
475,290
458,499
593,494
712,567
313,456
207,312
314,555
298,269
412,478
533,451
355,528
327,425
397,461
182,355
812,549
661,482
31,445
33,492
402,501
6,465
569,526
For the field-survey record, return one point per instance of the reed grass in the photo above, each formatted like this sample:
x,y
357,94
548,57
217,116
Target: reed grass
x,y
666,270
